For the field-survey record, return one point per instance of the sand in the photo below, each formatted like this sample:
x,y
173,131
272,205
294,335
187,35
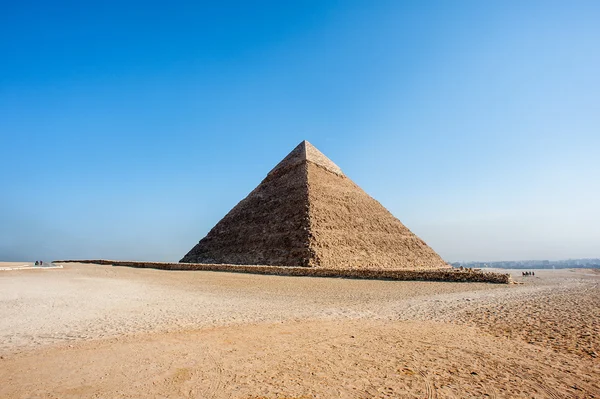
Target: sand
x,y
89,331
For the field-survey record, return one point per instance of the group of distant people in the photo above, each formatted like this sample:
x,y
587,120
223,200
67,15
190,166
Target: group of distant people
x,y
528,273
39,263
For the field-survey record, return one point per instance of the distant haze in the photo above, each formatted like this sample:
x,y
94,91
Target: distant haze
x,y
128,131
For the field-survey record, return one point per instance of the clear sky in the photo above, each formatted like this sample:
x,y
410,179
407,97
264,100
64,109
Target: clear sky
x,y
128,129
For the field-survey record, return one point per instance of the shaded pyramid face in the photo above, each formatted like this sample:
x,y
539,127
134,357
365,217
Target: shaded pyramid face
x,y
306,212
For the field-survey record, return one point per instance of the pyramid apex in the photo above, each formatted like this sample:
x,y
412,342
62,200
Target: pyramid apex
x,y
306,152
312,154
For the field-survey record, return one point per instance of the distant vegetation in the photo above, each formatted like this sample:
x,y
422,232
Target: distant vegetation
x,y
590,263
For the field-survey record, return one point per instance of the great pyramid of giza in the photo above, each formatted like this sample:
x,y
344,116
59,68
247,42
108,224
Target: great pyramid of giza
x,y
306,212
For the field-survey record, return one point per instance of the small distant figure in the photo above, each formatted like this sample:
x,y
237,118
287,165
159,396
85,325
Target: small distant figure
x,y
36,262
533,273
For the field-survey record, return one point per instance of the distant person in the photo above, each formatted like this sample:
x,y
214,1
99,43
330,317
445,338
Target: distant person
x,y
36,262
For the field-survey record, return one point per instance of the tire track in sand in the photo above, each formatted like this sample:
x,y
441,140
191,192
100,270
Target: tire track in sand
x,y
430,391
215,376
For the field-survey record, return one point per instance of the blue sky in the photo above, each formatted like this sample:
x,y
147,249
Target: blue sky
x,y
128,129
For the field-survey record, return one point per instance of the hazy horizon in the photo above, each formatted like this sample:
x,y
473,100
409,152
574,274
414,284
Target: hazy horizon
x,y
129,129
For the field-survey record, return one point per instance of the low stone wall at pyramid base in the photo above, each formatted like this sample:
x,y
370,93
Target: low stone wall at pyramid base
x,y
448,274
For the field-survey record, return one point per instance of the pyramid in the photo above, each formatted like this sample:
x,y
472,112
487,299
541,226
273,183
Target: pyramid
x,y
306,212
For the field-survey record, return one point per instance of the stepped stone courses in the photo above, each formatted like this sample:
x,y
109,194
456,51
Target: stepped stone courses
x,y
306,212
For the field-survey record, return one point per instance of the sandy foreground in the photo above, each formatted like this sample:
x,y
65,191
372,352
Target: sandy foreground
x,y
90,331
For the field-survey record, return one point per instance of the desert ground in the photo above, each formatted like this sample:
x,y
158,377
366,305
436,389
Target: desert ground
x,y
91,331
